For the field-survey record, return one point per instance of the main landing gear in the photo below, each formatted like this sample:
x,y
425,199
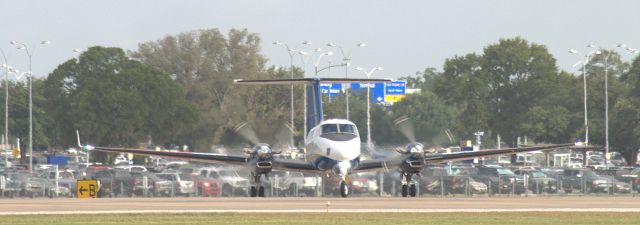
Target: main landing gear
x,y
259,192
407,188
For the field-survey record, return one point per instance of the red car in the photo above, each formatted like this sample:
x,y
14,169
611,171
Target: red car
x,y
208,187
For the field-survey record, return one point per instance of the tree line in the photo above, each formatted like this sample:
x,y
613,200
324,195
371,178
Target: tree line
x,y
178,90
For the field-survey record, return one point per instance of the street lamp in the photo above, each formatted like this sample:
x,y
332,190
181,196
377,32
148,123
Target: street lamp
x,y
302,54
317,63
369,103
24,47
347,59
584,85
606,96
7,69
292,53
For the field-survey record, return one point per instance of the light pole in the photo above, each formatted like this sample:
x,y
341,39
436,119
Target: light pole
x,y
369,103
317,63
302,54
606,97
7,68
24,47
292,53
587,57
347,62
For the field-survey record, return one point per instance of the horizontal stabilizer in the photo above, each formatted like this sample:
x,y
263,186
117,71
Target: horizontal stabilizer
x,y
312,80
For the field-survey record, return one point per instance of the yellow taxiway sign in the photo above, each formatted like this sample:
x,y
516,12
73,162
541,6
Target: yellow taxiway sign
x,y
87,189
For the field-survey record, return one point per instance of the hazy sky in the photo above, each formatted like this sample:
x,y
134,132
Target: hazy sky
x,y
402,36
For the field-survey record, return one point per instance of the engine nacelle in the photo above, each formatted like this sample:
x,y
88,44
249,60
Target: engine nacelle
x,y
262,154
412,148
261,150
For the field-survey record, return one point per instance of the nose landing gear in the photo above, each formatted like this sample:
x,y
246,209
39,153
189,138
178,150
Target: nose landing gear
x,y
259,191
344,189
408,189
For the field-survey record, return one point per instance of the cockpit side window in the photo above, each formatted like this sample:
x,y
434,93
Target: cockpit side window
x,y
347,128
329,128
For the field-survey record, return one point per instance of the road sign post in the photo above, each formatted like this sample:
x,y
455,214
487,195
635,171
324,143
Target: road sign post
x,y
87,188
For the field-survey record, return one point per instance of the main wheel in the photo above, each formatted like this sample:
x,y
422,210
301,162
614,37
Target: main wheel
x,y
253,191
404,190
226,190
261,191
412,190
292,189
344,189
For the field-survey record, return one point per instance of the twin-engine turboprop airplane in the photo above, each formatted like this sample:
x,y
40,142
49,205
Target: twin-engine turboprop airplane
x,y
333,147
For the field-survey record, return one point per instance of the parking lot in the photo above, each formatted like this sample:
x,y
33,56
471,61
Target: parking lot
x,y
488,178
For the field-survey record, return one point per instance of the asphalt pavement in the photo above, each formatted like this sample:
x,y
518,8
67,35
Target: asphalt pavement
x,y
388,204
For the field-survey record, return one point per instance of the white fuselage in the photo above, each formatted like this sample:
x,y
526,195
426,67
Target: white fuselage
x,y
336,139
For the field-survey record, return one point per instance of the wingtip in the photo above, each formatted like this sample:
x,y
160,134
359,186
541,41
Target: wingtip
x,y
78,136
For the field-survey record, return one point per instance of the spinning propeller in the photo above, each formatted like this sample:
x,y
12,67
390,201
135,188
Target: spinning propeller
x,y
282,140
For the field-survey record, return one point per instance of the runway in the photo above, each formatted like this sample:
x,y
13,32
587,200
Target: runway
x,y
283,205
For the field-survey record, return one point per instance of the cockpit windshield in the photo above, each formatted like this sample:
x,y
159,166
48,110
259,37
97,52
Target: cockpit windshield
x,y
347,128
329,128
338,128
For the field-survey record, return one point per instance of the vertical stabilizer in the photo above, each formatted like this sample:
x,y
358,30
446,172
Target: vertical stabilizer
x,y
314,104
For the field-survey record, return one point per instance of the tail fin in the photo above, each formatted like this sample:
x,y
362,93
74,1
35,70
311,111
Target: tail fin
x,y
314,96
315,115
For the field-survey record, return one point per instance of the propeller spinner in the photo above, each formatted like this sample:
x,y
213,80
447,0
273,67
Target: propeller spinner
x,y
261,149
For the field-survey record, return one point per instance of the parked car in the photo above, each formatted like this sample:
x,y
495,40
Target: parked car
x,y
114,183
286,183
132,168
633,177
455,180
66,178
154,187
29,185
304,184
585,180
206,186
231,181
364,184
500,180
538,181
182,183
358,185
623,183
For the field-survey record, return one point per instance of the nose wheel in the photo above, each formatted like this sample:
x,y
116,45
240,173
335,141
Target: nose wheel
x,y
408,190
258,190
344,189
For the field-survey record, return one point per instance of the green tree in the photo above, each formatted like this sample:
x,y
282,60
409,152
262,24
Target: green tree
x,y
205,63
496,91
596,92
115,101
429,115
19,114
625,114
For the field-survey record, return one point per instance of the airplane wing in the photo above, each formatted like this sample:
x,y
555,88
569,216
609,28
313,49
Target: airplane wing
x,y
190,156
391,163
457,156
278,164
294,165
372,165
